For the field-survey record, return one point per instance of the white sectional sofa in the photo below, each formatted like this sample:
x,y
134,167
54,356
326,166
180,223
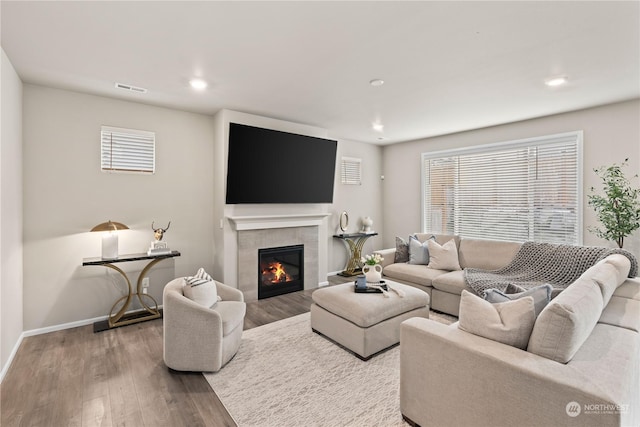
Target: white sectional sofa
x,y
581,366
445,287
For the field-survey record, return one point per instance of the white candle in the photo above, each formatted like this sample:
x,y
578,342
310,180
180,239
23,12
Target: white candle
x,y
110,245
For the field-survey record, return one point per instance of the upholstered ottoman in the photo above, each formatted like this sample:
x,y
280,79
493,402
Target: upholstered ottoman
x,y
363,323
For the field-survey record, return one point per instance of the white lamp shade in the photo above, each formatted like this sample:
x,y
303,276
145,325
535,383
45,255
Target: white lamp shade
x,y
109,245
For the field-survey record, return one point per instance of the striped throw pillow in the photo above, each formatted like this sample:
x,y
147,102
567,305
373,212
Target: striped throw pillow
x,y
201,288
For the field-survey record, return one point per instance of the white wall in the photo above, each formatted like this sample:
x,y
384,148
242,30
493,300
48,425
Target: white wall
x,y
66,194
611,134
11,311
358,201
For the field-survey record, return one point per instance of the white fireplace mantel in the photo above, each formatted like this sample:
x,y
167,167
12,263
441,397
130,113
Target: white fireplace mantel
x,y
261,222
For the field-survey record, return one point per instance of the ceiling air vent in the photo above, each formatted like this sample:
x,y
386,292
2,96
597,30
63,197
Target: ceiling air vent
x,y
130,88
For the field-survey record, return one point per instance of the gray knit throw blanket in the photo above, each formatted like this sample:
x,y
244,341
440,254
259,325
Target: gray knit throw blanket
x,y
538,263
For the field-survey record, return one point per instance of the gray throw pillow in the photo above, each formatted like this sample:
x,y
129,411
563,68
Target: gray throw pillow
x,y
541,296
402,250
418,251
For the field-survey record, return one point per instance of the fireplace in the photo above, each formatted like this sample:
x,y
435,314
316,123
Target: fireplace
x,y
280,270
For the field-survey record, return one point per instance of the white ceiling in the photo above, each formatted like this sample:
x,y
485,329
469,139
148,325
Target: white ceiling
x,y
447,66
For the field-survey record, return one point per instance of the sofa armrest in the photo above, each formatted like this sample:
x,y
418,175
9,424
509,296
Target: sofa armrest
x,y
388,255
450,377
227,293
192,333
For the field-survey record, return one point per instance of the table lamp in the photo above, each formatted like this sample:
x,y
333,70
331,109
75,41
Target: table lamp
x,y
110,238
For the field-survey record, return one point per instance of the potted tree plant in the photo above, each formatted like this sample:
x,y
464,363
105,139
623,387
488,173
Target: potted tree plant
x,y
619,208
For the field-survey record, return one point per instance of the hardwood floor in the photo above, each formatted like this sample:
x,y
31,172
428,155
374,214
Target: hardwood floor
x,y
117,377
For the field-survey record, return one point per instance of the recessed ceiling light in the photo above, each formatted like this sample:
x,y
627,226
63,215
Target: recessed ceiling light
x,y
198,84
378,127
376,82
556,81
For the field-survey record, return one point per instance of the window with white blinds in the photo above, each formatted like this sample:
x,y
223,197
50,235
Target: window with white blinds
x,y
351,171
520,190
127,150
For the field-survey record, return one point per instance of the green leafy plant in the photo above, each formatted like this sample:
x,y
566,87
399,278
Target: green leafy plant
x,y
619,208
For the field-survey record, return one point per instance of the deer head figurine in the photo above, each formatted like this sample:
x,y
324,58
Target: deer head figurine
x,y
159,232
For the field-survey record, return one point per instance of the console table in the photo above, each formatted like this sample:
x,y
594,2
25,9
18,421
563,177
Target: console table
x,y
147,312
354,242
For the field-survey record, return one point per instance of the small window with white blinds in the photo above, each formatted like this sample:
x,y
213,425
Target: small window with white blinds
x,y
127,150
521,190
351,171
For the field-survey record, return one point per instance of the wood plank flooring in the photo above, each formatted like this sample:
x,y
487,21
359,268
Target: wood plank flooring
x,y
118,378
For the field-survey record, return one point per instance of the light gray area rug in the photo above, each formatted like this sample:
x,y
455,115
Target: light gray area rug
x,y
286,375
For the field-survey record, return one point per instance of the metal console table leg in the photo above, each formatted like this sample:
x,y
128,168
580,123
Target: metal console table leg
x,y
148,311
354,243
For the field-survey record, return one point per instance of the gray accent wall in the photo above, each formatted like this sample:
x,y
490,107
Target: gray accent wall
x,y
611,134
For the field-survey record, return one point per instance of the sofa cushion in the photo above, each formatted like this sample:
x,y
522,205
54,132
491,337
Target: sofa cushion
x,y
622,312
443,257
402,250
566,322
232,314
541,296
452,282
630,288
486,254
420,274
418,251
508,322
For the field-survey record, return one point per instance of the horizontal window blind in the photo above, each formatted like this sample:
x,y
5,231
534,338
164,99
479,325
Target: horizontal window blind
x,y
351,171
127,150
521,190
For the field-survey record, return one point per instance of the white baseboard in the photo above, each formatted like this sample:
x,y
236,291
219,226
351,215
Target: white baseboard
x,y
7,365
54,328
70,325
48,329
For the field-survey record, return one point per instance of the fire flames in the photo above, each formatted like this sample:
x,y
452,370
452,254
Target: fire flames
x,y
275,273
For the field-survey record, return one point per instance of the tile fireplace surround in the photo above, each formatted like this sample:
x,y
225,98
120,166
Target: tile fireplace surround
x,y
257,232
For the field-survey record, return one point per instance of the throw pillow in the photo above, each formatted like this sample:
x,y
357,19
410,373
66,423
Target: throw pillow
x,y
508,322
201,288
443,257
418,251
541,296
402,250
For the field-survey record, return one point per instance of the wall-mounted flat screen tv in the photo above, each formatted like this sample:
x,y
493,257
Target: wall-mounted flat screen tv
x,y
269,166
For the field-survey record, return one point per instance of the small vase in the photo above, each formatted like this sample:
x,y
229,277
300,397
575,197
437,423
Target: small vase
x,y
373,273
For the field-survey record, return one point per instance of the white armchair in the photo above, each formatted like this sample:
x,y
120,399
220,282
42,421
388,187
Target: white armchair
x,y
198,338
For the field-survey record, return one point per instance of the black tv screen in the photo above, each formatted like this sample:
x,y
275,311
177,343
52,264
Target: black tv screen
x,y
269,166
